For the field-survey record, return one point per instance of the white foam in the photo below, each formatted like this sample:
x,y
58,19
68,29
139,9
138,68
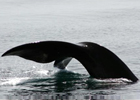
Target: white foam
x,y
116,80
13,81
43,72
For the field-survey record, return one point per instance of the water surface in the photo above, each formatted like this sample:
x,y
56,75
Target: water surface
x,y
110,23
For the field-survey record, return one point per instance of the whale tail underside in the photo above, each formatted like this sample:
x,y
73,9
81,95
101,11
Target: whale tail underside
x,y
100,62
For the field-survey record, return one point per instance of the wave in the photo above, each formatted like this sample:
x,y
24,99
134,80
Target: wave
x,y
62,83
62,80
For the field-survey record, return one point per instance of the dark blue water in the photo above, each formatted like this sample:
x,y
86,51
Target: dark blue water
x,y
113,24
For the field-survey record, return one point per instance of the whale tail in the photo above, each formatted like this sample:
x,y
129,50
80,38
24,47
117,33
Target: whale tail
x,y
98,60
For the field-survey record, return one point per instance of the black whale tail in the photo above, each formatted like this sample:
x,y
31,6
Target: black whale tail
x,y
100,62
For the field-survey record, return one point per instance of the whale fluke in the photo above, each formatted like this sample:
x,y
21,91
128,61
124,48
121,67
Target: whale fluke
x,y
100,62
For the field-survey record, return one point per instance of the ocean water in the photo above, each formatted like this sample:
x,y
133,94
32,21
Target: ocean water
x,y
114,24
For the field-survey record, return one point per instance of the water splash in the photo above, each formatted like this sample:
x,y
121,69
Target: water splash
x,y
13,81
69,83
26,76
58,81
62,76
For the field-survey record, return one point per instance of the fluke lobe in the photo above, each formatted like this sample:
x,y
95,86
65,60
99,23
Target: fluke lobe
x,y
100,62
